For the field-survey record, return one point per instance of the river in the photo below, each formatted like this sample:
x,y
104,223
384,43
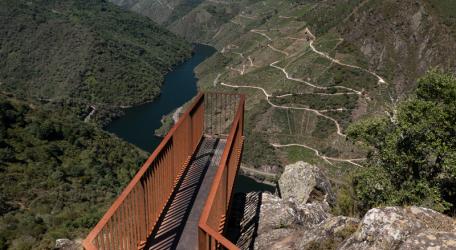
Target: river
x,y
139,123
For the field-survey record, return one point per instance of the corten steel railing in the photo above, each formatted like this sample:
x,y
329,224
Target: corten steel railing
x,y
220,110
212,221
130,220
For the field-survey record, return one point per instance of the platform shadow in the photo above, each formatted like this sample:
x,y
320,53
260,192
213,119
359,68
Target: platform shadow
x,y
244,217
170,225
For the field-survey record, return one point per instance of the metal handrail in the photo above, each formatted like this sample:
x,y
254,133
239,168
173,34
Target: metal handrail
x,y
130,220
210,236
117,227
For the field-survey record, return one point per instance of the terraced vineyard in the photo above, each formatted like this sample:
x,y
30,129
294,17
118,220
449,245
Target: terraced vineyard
x,y
303,90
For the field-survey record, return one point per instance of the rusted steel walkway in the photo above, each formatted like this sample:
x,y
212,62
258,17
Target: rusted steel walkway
x,y
181,197
178,226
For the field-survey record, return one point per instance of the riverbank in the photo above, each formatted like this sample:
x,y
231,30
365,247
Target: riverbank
x,y
139,123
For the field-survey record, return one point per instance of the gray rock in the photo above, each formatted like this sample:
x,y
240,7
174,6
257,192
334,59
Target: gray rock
x,y
311,214
283,222
282,238
305,183
431,240
387,228
329,234
279,213
66,244
276,213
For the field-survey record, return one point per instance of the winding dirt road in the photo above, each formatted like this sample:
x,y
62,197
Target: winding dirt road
x,y
317,112
289,77
319,154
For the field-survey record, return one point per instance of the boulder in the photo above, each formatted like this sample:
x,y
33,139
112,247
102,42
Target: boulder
x,y
389,227
276,213
283,222
311,214
431,240
66,244
305,183
282,238
280,213
329,234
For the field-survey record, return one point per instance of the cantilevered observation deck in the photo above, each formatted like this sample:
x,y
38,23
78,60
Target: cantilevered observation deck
x,y
180,197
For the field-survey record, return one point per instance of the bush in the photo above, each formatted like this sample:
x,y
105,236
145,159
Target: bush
x,y
412,160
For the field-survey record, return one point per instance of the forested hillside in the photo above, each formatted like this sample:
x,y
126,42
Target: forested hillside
x,y
58,174
91,53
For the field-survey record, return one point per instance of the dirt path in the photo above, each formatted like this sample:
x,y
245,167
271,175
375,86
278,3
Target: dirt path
x,y
289,77
217,33
89,116
216,79
278,50
261,32
248,17
317,112
259,172
241,71
251,61
319,154
325,55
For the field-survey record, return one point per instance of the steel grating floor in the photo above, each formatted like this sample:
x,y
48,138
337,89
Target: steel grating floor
x,y
177,227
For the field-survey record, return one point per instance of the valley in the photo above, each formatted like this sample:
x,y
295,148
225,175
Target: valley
x,y
349,113
310,69
307,90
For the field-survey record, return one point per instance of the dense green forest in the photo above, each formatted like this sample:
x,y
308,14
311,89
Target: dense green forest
x,y
412,160
58,59
90,52
58,175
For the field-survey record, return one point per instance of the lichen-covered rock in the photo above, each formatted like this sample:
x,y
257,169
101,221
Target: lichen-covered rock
x,y
280,213
283,222
301,181
276,213
66,244
329,234
387,228
282,238
311,214
431,240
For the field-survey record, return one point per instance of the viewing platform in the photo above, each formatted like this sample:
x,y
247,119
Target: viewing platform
x,y
181,197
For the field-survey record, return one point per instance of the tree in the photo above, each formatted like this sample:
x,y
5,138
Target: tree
x,y
414,152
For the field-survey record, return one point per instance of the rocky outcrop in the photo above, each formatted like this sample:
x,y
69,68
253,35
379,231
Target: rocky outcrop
x,y
302,181
299,220
390,227
329,234
431,240
66,244
305,204
276,213
286,225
